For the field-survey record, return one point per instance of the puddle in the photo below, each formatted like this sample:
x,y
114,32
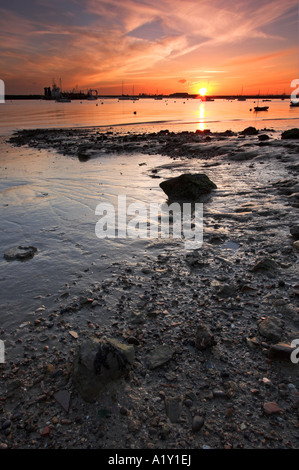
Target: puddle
x,y
230,246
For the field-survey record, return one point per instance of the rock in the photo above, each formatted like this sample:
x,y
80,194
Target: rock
x,y
63,398
263,137
290,134
159,356
226,291
271,408
265,264
271,328
203,337
249,131
281,352
197,423
99,362
20,253
188,187
296,244
173,408
294,230
45,432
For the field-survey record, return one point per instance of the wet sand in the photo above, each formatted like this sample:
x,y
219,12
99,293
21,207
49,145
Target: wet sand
x,y
150,292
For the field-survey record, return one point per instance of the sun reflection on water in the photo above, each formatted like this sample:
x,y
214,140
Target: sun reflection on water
x,y
201,125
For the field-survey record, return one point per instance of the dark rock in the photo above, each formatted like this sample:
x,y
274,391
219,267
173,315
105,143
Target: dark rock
x,y
263,137
294,230
249,131
99,362
173,408
204,338
265,264
159,356
187,187
290,134
226,291
271,328
20,253
197,423
281,352
63,398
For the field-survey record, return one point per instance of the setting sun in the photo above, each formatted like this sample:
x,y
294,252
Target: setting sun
x,y
203,91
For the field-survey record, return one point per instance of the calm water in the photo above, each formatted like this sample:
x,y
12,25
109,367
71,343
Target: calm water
x,y
147,114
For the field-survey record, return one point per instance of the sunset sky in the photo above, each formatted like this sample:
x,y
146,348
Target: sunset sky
x,y
164,46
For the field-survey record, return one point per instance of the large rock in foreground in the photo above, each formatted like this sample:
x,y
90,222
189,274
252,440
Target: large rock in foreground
x,y
99,362
187,187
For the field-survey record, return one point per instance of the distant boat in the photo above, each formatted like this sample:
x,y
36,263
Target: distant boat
x,y
63,99
241,97
261,108
294,103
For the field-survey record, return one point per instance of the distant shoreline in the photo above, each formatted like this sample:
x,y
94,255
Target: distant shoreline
x,y
171,96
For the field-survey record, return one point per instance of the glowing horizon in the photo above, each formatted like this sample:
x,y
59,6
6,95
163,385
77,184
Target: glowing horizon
x,y
150,47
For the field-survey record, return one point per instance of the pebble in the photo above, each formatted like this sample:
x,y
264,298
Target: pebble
x,y
271,408
45,432
197,423
6,424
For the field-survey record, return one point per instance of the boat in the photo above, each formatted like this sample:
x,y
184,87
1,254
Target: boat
x,y
261,108
294,103
63,99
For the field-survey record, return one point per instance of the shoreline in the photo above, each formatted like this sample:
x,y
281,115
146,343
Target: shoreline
x,y
161,299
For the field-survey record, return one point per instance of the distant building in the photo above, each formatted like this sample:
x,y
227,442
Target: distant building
x,y
179,95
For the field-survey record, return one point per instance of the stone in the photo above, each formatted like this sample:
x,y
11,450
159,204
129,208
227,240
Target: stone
x,y
226,291
159,356
63,398
197,423
187,187
173,408
263,137
281,352
99,362
271,328
249,131
294,230
265,264
296,244
204,337
290,134
45,432
271,408
21,253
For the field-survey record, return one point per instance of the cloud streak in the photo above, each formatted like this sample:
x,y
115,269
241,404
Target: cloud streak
x,y
99,42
